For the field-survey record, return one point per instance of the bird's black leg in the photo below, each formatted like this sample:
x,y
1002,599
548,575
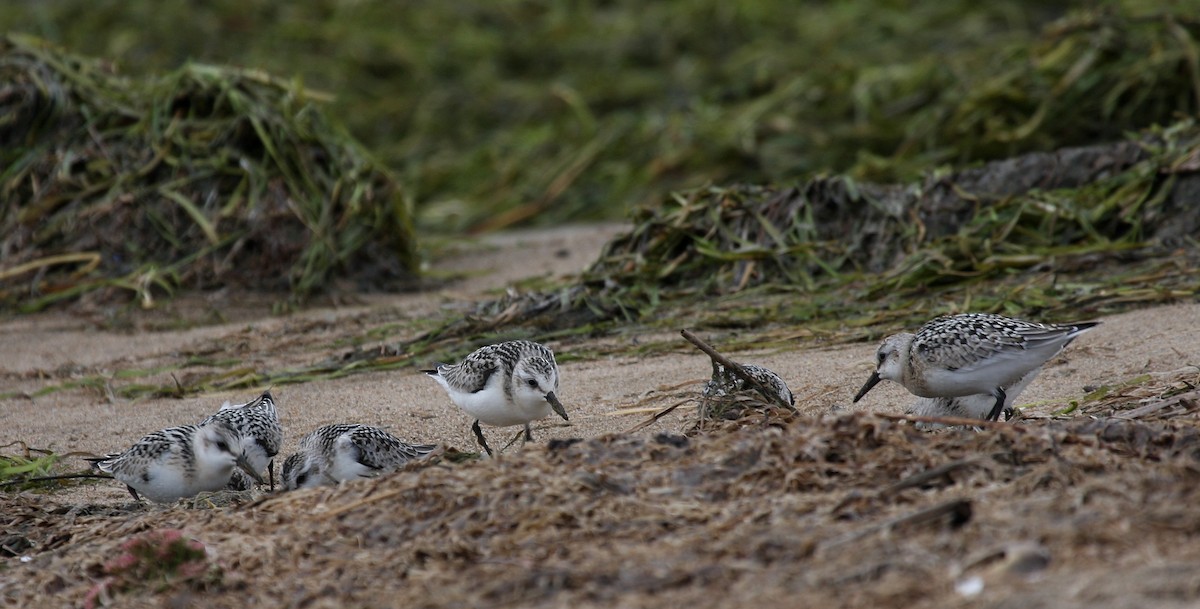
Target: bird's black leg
x,y
133,492
271,473
528,436
479,436
994,415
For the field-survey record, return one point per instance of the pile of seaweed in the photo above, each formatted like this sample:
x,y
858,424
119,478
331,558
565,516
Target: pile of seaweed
x,y
1078,231
204,177
973,224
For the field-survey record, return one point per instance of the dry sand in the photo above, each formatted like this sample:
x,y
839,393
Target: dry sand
x,y
45,349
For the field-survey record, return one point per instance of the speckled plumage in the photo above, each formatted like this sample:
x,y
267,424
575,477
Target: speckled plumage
x,y
257,423
969,354
334,453
506,384
177,462
724,382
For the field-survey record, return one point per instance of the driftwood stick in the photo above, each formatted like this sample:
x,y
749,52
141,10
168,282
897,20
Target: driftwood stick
x,y
1187,401
735,368
930,474
958,510
18,482
656,416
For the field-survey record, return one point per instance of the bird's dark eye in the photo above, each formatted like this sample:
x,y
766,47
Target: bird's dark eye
x,y
301,478
222,445
879,357
532,383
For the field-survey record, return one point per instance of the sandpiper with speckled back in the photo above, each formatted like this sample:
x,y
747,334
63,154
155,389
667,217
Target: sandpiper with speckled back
x,y
178,462
335,453
502,385
968,354
257,425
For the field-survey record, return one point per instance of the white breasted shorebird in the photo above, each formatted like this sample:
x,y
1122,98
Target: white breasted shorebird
x,y
261,435
178,462
511,383
334,453
968,354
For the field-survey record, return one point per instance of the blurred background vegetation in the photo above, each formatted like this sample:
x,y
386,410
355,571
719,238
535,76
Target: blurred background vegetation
x,y
741,139
514,112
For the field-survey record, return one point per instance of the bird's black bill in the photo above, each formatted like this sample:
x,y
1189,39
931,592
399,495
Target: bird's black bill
x,y
871,382
556,405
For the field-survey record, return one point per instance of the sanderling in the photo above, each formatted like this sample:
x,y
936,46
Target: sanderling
x,y
257,424
976,406
725,382
511,383
178,462
962,355
334,453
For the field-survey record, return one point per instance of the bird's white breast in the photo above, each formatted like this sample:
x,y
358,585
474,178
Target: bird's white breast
x,y
492,407
169,482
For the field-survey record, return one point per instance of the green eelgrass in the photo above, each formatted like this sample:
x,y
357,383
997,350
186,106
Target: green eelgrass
x,y
206,176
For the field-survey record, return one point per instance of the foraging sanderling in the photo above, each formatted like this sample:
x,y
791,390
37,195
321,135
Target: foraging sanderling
x,y
724,382
257,424
334,453
971,353
976,406
510,383
178,462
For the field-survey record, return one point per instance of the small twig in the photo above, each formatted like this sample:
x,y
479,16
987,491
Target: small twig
x,y
959,509
1187,401
520,433
736,369
930,474
23,445
52,478
656,416
513,440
